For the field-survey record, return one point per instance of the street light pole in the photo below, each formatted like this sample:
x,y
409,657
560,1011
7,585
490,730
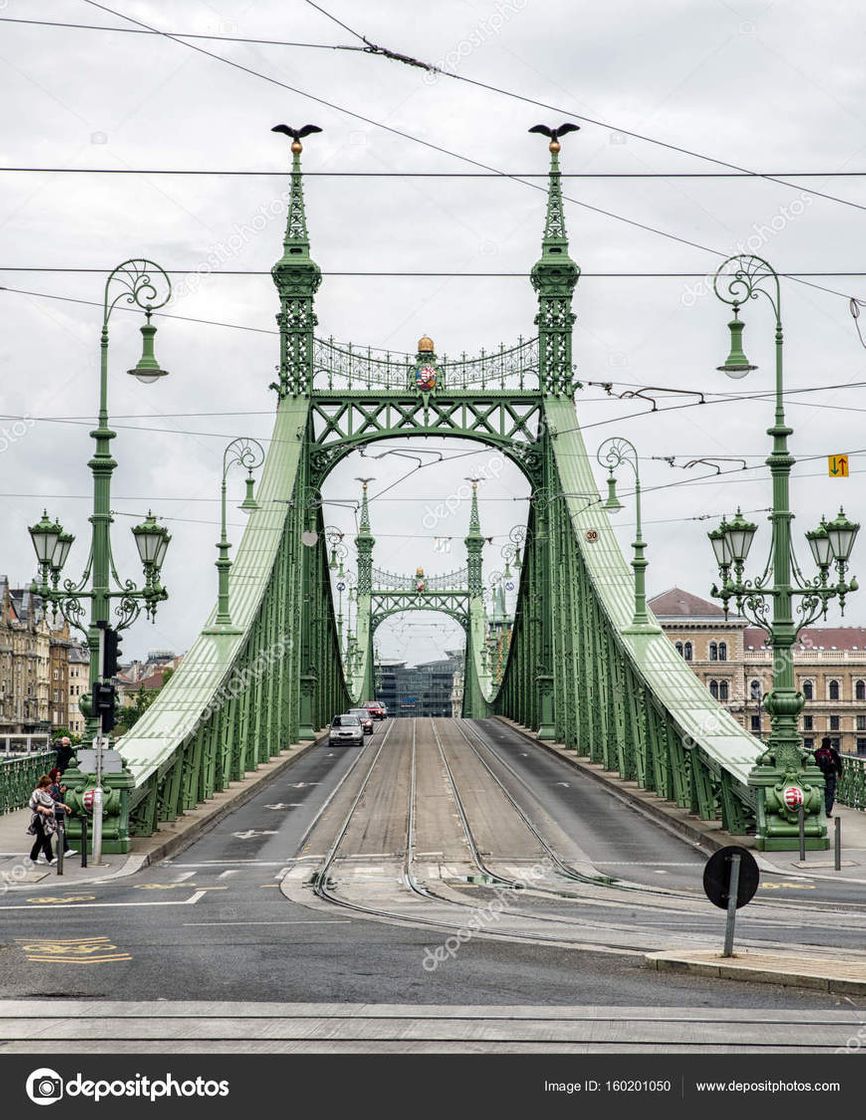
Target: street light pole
x,y
784,762
249,454
143,284
612,453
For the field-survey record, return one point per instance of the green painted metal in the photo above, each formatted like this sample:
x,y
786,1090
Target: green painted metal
x,y
851,789
781,600
579,671
18,777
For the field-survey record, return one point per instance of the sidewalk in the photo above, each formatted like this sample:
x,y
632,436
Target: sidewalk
x,y
711,836
17,873
844,977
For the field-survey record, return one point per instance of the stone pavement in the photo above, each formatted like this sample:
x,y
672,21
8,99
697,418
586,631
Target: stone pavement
x,y
18,873
845,977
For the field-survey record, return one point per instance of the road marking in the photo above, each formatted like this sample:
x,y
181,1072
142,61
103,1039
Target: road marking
x,y
298,922
72,950
252,862
787,886
230,871
49,900
251,832
566,784
63,905
285,805
183,876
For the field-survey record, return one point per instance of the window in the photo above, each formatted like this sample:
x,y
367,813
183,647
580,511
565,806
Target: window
x,y
723,651
57,674
723,691
861,746
808,723
755,691
687,651
809,744
834,723
714,652
756,723
861,723
714,689
808,690
860,690
678,646
833,690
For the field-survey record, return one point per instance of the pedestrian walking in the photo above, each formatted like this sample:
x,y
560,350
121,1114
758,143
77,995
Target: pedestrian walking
x,y
829,762
42,824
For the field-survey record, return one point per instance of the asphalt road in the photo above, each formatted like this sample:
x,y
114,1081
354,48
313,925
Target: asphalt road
x,y
212,924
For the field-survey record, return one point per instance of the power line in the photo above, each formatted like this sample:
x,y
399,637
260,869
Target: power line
x,y
417,273
501,175
372,48
437,147
180,34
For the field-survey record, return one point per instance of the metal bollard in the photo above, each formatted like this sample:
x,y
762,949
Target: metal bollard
x,y
837,844
802,815
84,840
60,819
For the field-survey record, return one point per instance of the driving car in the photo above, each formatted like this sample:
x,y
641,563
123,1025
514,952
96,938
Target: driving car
x,y
345,730
375,709
365,718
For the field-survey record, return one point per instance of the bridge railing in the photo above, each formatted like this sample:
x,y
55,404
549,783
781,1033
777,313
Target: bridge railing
x,y
399,581
344,367
851,790
18,777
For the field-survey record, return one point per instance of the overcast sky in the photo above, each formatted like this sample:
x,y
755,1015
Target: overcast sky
x,y
770,87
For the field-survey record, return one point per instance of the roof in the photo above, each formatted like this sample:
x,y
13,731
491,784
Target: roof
x,y
677,603
813,638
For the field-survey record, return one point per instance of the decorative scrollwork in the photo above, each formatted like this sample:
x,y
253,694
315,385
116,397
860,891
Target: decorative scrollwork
x,y
741,278
244,452
142,282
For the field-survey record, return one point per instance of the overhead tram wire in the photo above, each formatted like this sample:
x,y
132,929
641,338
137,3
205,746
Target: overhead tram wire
x,y
791,274
437,147
501,175
375,49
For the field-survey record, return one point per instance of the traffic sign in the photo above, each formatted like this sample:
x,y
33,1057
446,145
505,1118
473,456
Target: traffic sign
x,y
837,466
717,874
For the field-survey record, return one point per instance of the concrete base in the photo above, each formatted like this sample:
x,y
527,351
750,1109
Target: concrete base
x,y
846,977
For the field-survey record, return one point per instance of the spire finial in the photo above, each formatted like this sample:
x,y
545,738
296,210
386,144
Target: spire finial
x,y
474,518
364,521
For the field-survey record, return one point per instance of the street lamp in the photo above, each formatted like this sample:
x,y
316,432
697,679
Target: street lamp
x,y
512,551
612,453
142,284
782,582
248,454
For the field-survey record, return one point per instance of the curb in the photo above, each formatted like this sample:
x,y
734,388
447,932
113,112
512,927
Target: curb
x,y
740,968
190,828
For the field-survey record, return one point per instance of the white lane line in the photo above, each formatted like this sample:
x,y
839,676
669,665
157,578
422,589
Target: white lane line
x,y
248,862
191,901
225,874
298,922
184,875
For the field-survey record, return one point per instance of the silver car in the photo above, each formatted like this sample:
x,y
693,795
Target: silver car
x,y
346,730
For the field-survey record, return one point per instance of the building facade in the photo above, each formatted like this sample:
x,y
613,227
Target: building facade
x,y
420,690
79,685
735,663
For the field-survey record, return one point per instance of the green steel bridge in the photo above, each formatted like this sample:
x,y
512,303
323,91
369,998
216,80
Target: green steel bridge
x,y
578,671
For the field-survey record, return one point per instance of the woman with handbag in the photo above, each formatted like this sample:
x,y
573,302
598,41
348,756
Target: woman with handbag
x,y
42,824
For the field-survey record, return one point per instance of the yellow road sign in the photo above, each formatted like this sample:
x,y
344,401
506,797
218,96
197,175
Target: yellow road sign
x,y
837,466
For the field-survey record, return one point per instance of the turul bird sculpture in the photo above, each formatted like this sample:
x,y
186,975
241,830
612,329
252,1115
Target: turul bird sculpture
x,y
296,134
555,133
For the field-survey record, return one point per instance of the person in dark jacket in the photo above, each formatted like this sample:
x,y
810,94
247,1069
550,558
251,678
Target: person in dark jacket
x,y
829,761
64,751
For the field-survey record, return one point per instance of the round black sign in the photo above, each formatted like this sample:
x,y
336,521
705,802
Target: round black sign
x,y
717,876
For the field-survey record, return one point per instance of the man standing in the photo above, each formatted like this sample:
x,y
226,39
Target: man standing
x,y
829,761
65,752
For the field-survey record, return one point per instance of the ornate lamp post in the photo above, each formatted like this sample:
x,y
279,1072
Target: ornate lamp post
x,y
512,551
784,763
249,454
612,453
143,284
337,553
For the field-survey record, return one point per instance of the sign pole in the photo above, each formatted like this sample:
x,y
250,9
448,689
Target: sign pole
x,y
96,850
837,845
733,892
802,822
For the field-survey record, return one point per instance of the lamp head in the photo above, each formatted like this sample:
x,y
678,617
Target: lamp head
x,y
736,364
613,504
45,534
842,533
148,368
249,503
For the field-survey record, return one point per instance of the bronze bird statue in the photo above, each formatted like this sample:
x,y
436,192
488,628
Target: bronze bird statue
x,y
555,133
297,134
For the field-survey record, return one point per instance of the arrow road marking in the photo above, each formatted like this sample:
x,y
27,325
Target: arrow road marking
x,y
251,832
